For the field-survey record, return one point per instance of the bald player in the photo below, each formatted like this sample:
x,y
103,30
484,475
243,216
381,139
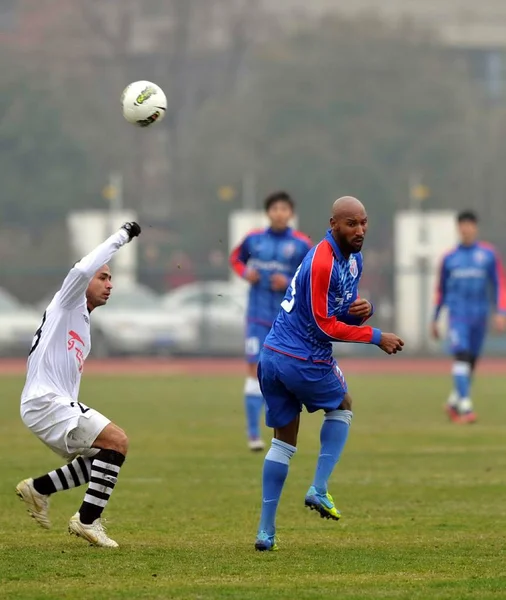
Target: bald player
x,y
297,368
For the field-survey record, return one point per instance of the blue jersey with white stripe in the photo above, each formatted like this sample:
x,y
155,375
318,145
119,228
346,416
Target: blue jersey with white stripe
x,y
315,309
268,252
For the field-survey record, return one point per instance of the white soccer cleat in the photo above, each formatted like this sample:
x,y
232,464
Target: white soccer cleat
x,y
94,534
256,444
37,504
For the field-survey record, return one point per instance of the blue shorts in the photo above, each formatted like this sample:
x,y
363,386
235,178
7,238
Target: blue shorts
x,y
467,336
255,338
288,384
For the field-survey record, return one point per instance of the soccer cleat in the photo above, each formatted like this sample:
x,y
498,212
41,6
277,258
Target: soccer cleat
x,y
453,413
468,417
94,534
37,504
323,503
265,542
256,444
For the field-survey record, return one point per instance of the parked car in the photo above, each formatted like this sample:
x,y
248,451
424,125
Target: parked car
x,y
214,311
18,324
134,322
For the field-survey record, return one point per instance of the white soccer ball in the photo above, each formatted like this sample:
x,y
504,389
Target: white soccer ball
x,y
143,103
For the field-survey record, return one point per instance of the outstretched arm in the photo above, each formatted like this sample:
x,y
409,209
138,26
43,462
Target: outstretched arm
x,y
78,278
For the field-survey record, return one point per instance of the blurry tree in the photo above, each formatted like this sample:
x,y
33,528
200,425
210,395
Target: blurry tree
x,y
343,107
487,144
335,107
191,48
44,171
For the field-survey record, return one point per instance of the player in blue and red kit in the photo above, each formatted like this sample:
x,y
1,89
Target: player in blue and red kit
x,y
296,366
471,282
267,259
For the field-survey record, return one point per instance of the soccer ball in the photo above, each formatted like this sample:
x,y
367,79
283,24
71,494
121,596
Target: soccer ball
x,y
143,103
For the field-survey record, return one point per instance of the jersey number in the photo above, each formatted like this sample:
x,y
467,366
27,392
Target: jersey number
x,y
38,333
84,409
287,305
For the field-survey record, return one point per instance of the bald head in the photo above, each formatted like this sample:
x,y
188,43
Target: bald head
x,y
348,224
345,205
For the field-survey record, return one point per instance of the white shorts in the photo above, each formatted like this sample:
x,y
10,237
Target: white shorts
x,y
68,427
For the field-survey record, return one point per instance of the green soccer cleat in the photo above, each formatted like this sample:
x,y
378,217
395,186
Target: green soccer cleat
x,y
323,503
265,542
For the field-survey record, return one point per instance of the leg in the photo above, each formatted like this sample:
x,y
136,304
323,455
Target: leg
x,y
71,475
52,420
289,434
465,408
253,399
112,445
459,402
333,437
474,362
275,472
462,411
283,415
478,333
253,403
454,397
35,492
462,379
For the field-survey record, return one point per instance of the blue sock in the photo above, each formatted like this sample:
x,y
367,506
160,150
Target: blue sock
x,y
274,476
462,378
333,436
254,402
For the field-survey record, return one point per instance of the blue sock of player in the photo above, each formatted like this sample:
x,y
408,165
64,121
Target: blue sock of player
x,y
462,378
254,402
274,476
333,436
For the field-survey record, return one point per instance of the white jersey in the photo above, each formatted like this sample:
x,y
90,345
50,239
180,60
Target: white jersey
x,y
62,342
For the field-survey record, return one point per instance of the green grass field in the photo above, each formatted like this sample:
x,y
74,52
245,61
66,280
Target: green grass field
x,y
423,501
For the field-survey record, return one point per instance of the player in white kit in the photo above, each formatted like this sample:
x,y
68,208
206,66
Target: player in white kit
x,y
94,448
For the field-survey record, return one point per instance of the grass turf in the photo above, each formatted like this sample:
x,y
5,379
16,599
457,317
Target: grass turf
x,y
423,501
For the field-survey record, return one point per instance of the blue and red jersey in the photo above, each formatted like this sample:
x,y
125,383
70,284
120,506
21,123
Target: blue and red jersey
x,y
315,308
268,252
471,281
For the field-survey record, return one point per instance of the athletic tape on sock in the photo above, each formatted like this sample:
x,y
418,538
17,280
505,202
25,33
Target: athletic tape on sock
x,y
280,452
340,415
461,368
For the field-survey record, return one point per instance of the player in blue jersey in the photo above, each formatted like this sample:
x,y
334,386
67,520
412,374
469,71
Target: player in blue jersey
x,y
296,366
471,282
267,259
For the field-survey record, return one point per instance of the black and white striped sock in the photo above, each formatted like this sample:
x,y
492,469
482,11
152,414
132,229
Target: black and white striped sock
x,y
105,469
72,475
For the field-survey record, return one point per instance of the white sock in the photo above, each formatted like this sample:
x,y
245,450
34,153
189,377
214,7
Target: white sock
x,y
465,405
453,399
